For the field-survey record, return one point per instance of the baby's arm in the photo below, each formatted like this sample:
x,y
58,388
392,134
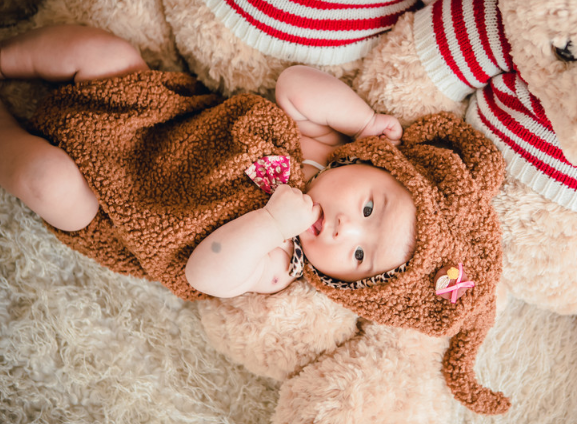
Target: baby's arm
x,y
245,255
67,52
322,104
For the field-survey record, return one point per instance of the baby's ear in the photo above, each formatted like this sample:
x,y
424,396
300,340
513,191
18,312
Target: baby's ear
x,y
480,156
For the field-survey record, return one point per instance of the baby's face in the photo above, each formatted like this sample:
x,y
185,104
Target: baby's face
x,y
366,226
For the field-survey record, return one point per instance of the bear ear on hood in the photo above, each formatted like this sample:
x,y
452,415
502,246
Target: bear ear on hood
x,y
451,190
482,161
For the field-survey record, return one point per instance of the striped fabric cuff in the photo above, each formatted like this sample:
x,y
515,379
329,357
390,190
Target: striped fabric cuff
x,y
314,32
507,113
461,44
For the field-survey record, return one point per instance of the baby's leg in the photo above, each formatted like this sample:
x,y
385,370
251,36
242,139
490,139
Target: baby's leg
x,y
44,177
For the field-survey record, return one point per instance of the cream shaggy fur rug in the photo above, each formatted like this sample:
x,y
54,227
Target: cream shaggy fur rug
x,y
80,344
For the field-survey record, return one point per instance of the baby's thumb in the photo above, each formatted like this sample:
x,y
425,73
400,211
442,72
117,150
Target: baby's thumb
x,y
316,212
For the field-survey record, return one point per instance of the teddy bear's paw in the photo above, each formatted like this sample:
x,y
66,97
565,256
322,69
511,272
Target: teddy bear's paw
x,y
384,375
539,248
276,335
393,80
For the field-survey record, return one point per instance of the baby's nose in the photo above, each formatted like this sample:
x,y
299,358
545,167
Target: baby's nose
x,y
346,227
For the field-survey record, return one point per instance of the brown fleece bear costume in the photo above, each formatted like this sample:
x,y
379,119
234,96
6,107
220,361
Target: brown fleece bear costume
x,y
167,160
138,141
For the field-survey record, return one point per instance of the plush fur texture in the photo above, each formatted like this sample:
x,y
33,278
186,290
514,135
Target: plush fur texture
x,y
220,60
80,344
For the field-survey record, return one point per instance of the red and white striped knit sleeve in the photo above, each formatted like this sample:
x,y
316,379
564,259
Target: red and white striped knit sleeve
x,y
507,113
314,32
461,44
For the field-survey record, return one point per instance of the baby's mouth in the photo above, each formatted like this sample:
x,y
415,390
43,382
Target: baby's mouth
x,y
317,227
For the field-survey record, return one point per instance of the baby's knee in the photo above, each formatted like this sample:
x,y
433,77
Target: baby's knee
x,y
53,186
45,177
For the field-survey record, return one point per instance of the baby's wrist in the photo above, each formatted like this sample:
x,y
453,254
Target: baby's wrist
x,y
368,122
274,222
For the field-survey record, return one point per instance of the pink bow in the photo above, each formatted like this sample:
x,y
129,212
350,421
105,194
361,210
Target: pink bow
x,y
269,172
458,285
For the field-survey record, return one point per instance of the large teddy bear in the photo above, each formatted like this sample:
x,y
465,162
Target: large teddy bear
x,y
454,56
328,359
523,50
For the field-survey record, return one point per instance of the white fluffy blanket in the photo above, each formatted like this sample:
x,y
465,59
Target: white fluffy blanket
x,y
80,344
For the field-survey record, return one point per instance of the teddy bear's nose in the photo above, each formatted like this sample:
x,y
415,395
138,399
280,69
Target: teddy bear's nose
x,y
565,54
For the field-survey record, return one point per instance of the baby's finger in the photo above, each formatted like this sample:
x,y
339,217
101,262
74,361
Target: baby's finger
x,y
394,130
308,200
316,211
280,190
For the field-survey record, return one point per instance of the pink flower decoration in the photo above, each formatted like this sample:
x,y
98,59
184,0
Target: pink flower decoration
x,y
269,172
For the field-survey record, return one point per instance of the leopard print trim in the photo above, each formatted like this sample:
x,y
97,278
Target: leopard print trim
x,y
347,160
380,279
297,264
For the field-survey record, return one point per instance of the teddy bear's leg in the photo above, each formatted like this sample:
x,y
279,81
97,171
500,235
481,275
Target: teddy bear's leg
x,y
276,335
383,375
222,60
213,53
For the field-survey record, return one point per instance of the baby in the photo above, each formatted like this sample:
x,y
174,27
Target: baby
x,y
354,221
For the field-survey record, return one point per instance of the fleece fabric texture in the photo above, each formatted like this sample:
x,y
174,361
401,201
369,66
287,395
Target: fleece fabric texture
x,y
166,160
452,190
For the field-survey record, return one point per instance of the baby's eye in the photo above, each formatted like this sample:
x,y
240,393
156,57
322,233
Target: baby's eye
x,y
368,209
359,254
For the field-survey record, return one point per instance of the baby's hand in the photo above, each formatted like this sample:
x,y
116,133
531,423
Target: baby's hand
x,y
292,210
386,125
